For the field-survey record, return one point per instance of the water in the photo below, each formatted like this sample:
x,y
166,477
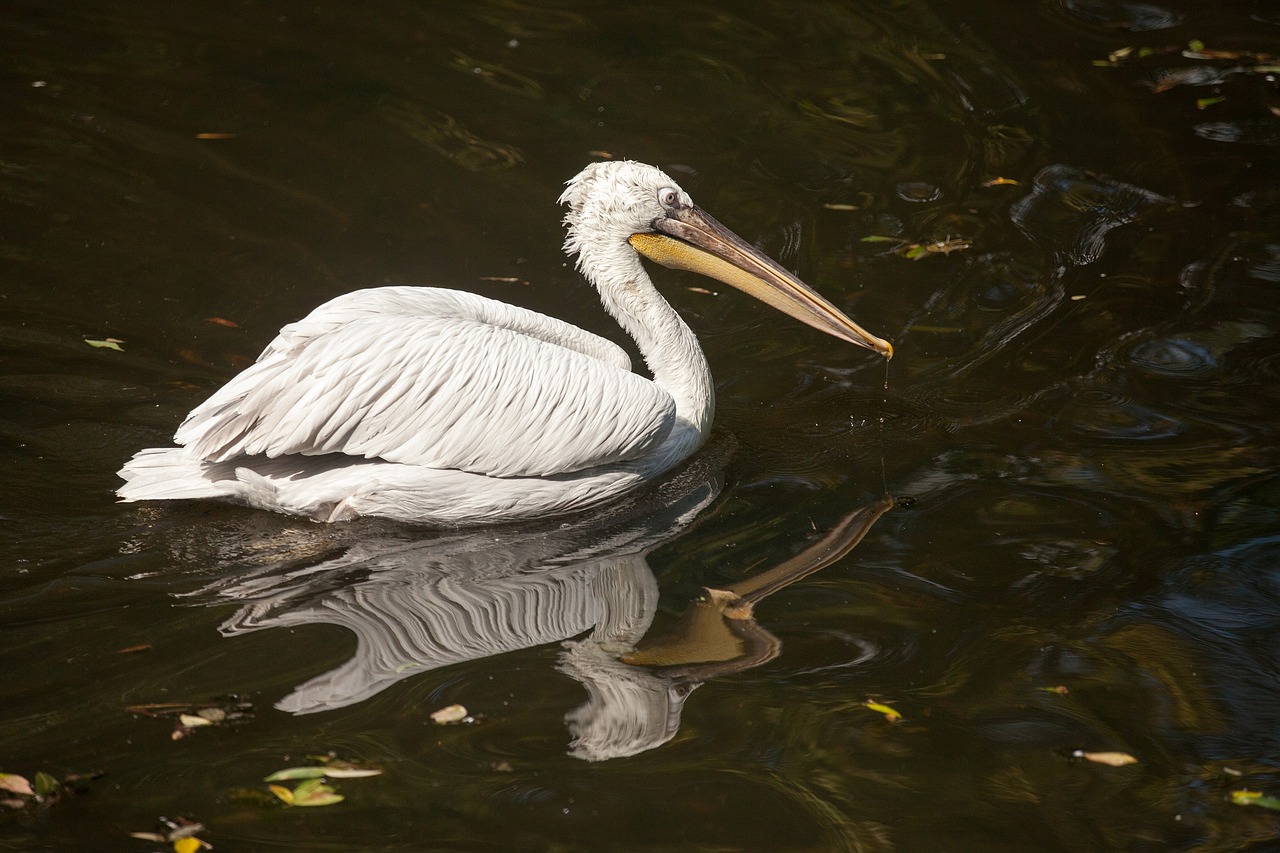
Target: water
x,y
1078,428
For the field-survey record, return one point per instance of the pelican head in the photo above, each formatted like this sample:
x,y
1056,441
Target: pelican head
x,y
619,208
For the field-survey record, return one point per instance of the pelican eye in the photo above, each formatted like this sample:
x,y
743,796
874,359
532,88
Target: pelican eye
x,y
669,197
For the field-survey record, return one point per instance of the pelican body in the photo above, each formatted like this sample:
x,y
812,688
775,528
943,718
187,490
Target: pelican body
x,y
440,406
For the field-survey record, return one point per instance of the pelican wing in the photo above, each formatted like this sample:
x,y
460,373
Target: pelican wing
x,y
438,379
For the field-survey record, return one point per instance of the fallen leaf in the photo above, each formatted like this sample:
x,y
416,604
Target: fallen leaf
x,y
880,238
128,650
1202,103
314,792
15,784
108,343
45,784
838,206
889,713
283,793
222,321
1111,759
1255,798
449,714
1002,182
192,721
701,290
190,844
291,773
605,155
149,836
1060,690
334,772
215,136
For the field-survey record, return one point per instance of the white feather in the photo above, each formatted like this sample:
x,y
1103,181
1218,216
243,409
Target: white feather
x,y
442,406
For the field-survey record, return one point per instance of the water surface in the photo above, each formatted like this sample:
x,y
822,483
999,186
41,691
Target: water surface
x,y
1078,429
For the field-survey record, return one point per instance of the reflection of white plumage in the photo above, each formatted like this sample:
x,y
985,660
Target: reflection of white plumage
x,y
441,406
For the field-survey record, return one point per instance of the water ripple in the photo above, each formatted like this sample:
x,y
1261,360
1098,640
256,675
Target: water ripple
x,y
1070,212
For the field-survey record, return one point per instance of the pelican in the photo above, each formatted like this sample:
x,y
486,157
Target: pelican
x,y
440,406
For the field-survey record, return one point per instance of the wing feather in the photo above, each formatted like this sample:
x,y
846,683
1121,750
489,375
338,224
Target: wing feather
x,y
476,390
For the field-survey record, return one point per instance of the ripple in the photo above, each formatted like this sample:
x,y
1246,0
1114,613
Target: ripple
x,y
1105,412
1173,356
1258,132
1071,212
918,191
1118,14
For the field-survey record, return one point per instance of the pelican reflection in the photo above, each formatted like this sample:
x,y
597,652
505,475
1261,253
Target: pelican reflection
x,y
420,605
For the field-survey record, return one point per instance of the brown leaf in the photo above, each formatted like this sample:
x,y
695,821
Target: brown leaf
x,y
1111,759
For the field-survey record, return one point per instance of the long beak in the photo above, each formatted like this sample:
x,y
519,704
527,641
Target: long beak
x,y
690,239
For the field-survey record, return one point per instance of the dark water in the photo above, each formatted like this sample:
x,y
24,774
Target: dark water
x,y
1082,412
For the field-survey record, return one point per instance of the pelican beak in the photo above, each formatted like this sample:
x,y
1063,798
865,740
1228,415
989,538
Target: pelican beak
x,y
689,239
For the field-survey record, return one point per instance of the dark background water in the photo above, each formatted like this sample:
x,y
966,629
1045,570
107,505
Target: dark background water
x,y
1083,411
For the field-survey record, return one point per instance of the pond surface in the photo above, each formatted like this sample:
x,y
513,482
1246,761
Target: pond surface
x,y
1078,259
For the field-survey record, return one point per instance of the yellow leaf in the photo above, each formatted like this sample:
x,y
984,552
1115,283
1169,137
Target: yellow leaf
x,y
283,793
187,845
889,713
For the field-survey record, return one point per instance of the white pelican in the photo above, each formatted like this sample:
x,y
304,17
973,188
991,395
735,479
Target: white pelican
x,y
440,406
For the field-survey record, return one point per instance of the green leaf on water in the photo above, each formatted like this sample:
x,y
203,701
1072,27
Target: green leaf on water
x,y
880,238
1195,46
46,784
314,792
337,770
292,773
915,253
1201,103
1255,798
107,343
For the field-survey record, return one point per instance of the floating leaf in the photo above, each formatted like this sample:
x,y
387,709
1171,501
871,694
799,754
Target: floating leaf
x,y
149,836
314,792
1061,690
1111,759
108,343
283,793
880,238
1255,798
1195,46
222,321
215,136
190,844
701,290
915,253
15,784
1202,103
46,784
889,713
193,720
292,773
840,206
336,772
128,650
1002,182
449,714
